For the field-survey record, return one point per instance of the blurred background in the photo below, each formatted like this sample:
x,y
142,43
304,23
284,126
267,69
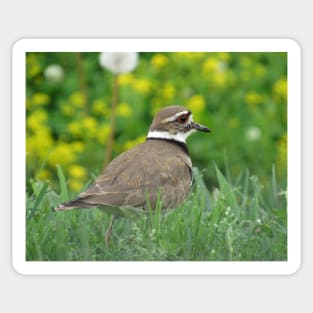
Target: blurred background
x,y
241,97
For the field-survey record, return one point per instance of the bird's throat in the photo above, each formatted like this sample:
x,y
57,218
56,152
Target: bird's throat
x,y
179,137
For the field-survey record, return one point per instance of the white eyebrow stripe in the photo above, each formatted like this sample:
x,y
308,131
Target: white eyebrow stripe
x,y
174,117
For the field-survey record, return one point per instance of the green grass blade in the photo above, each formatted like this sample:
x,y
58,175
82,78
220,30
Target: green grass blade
x,y
228,192
63,185
227,170
61,239
201,185
274,189
38,200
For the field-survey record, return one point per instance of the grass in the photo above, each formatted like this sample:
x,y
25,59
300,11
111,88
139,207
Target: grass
x,y
237,221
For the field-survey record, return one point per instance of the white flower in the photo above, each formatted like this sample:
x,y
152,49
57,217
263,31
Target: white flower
x,y
54,73
253,133
119,62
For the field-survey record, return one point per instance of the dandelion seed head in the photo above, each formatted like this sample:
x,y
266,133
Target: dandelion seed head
x,y
54,73
119,62
253,133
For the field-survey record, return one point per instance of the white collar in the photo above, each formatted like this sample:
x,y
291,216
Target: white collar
x,y
181,137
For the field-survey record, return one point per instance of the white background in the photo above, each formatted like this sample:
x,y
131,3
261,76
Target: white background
x,y
159,19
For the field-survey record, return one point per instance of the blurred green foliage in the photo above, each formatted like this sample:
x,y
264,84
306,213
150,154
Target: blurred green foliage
x,y
242,97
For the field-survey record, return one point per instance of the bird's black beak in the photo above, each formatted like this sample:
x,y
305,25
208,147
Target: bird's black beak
x,y
200,127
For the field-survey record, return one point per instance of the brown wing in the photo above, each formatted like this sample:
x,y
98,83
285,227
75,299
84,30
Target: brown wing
x,y
142,173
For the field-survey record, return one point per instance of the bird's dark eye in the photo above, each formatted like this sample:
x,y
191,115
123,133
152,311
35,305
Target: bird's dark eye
x,y
182,119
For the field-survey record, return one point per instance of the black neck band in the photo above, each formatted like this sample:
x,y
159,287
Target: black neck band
x,y
182,145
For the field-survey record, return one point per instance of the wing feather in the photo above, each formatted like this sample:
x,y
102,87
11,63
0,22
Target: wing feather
x,y
139,175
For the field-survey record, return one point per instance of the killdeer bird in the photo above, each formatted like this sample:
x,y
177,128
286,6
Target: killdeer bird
x,y
160,168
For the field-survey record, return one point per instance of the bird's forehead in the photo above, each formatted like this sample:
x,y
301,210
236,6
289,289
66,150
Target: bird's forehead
x,y
174,116
171,112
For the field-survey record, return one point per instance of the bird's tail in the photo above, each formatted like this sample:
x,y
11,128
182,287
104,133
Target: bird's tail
x,y
73,204
64,207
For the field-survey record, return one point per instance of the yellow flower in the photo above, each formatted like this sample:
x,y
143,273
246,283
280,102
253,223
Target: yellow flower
x,y
77,99
75,185
99,107
224,56
89,122
39,144
280,88
142,85
44,174
40,98
85,127
245,61
103,133
168,92
282,147
131,143
253,98
36,121
77,171
159,60
125,79
75,128
89,125
33,70
210,65
219,78
196,104
216,69
191,55
156,105
33,67
67,109
77,146
61,154
124,110
260,70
